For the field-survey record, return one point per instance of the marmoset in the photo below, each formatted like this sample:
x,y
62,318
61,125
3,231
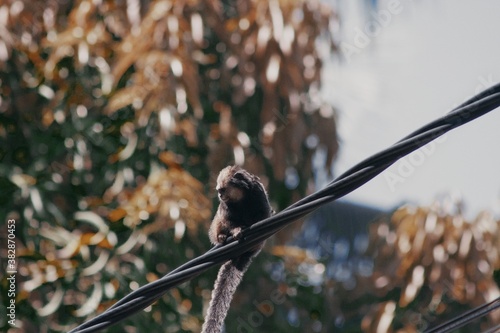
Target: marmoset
x,y
243,202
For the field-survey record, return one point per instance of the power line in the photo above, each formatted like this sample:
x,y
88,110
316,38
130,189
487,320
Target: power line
x,y
350,180
467,317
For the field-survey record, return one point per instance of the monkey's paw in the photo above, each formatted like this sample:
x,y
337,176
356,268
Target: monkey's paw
x,y
237,233
221,238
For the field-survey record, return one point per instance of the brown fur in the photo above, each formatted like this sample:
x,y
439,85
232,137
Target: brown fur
x,y
243,201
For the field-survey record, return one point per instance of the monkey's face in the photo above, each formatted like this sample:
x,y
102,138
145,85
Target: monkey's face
x,y
232,184
230,194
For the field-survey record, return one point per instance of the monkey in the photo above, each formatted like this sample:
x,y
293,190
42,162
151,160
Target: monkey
x,y
243,201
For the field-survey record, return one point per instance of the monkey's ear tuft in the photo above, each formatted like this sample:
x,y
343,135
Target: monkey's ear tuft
x,y
240,174
242,179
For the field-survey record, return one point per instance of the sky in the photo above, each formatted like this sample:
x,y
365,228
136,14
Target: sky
x,y
404,64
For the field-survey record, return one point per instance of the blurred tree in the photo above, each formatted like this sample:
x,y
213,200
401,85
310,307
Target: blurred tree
x,y
114,118
431,264
426,265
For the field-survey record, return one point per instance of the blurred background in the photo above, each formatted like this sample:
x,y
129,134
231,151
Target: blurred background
x,y
116,117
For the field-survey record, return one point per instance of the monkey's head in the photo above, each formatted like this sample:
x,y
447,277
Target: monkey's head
x,y
233,182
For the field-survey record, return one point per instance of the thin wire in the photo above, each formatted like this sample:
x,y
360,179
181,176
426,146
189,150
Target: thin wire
x,y
344,184
466,317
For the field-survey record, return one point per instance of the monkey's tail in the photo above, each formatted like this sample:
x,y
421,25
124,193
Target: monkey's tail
x,y
228,279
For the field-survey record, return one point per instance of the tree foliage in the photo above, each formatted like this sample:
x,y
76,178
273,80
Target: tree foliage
x,y
430,264
115,117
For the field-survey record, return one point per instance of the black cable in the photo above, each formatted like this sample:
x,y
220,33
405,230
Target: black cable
x,y
344,184
466,317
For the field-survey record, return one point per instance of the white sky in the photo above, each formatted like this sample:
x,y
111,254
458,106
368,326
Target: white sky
x,y
428,57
